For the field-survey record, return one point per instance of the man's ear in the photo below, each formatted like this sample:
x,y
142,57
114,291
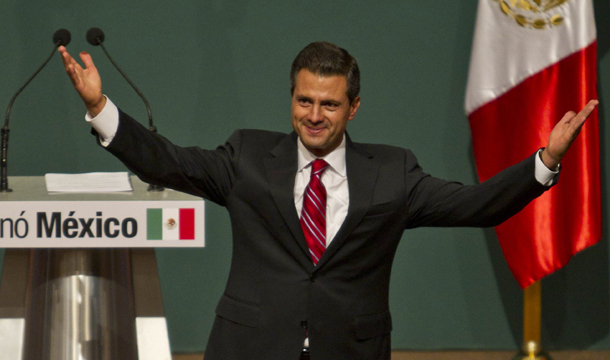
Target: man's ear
x,y
353,108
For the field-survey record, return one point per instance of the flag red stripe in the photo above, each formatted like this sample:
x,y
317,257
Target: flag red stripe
x,y
566,219
187,224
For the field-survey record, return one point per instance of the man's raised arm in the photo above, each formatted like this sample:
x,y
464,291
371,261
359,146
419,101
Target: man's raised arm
x,y
86,81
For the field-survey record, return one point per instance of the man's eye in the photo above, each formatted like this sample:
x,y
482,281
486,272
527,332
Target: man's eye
x,y
331,106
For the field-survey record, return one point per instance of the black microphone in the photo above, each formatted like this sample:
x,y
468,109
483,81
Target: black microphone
x,y
95,37
60,38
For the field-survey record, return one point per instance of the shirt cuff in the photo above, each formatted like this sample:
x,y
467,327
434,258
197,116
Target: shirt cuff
x,y
106,123
544,175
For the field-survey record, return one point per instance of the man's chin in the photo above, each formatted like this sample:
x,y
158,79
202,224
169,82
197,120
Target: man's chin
x,y
313,140
315,147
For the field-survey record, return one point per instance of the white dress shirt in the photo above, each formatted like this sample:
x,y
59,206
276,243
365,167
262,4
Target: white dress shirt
x,y
334,180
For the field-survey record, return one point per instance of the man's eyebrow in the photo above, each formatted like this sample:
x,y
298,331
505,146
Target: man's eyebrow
x,y
303,97
330,102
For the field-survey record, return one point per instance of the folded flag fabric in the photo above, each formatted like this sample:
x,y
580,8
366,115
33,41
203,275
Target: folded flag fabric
x,y
532,61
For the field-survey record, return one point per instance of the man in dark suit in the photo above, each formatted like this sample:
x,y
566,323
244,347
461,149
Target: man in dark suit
x,y
313,240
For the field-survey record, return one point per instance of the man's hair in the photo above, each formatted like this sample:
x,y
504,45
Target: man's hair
x,y
327,59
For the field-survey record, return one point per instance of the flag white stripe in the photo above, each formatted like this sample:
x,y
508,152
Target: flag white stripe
x,y
171,233
501,43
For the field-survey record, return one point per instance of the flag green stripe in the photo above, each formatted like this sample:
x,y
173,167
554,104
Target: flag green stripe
x,y
154,224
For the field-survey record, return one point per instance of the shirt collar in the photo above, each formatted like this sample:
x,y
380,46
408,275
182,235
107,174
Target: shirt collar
x,y
336,158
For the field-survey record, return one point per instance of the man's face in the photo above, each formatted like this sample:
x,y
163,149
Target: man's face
x,y
321,110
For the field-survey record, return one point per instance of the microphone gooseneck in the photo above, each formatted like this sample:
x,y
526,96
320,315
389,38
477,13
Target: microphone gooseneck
x,y
61,37
95,37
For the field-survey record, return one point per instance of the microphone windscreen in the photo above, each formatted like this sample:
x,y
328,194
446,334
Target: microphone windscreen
x,y
95,36
61,37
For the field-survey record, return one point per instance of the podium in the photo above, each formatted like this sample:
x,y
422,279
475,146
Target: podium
x,y
79,278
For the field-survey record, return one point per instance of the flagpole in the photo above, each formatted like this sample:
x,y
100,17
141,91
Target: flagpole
x,y
532,324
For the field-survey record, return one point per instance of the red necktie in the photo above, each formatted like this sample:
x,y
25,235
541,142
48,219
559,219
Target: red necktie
x,y
313,216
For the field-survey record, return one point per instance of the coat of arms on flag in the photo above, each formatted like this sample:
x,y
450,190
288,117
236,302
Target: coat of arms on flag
x,y
539,14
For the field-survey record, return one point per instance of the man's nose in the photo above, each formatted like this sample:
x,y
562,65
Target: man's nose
x,y
315,114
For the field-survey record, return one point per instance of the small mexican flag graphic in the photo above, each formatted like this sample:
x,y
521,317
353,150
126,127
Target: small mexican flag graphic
x,y
170,224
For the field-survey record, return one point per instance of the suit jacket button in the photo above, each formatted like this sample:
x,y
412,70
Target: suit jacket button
x,y
304,324
312,278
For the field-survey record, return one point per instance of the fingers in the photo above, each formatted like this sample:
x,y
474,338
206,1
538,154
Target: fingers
x,y
587,110
69,64
580,118
62,49
568,117
573,122
65,56
87,60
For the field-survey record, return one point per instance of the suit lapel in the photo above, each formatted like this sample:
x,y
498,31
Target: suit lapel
x,y
362,173
281,171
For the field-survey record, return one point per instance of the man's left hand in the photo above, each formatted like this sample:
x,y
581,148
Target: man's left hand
x,y
564,133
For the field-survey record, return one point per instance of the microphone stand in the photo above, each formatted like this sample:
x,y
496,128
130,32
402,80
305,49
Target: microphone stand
x,y
151,127
5,130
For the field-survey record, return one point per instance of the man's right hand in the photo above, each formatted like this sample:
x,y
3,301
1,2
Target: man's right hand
x,y
87,81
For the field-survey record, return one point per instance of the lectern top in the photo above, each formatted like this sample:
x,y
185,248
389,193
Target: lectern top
x,y
33,188
30,217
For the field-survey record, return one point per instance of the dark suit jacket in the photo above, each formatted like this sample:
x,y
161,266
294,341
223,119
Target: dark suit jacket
x,y
275,295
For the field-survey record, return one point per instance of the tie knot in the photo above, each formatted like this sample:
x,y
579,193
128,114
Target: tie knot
x,y
318,167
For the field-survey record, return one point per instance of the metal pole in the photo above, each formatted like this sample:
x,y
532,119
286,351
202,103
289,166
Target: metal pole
x,y
80,305
532,324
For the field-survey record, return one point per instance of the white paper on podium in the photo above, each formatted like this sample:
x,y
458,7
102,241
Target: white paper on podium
x,y
96,182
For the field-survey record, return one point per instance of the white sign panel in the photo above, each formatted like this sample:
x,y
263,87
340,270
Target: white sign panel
x,y
83,224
